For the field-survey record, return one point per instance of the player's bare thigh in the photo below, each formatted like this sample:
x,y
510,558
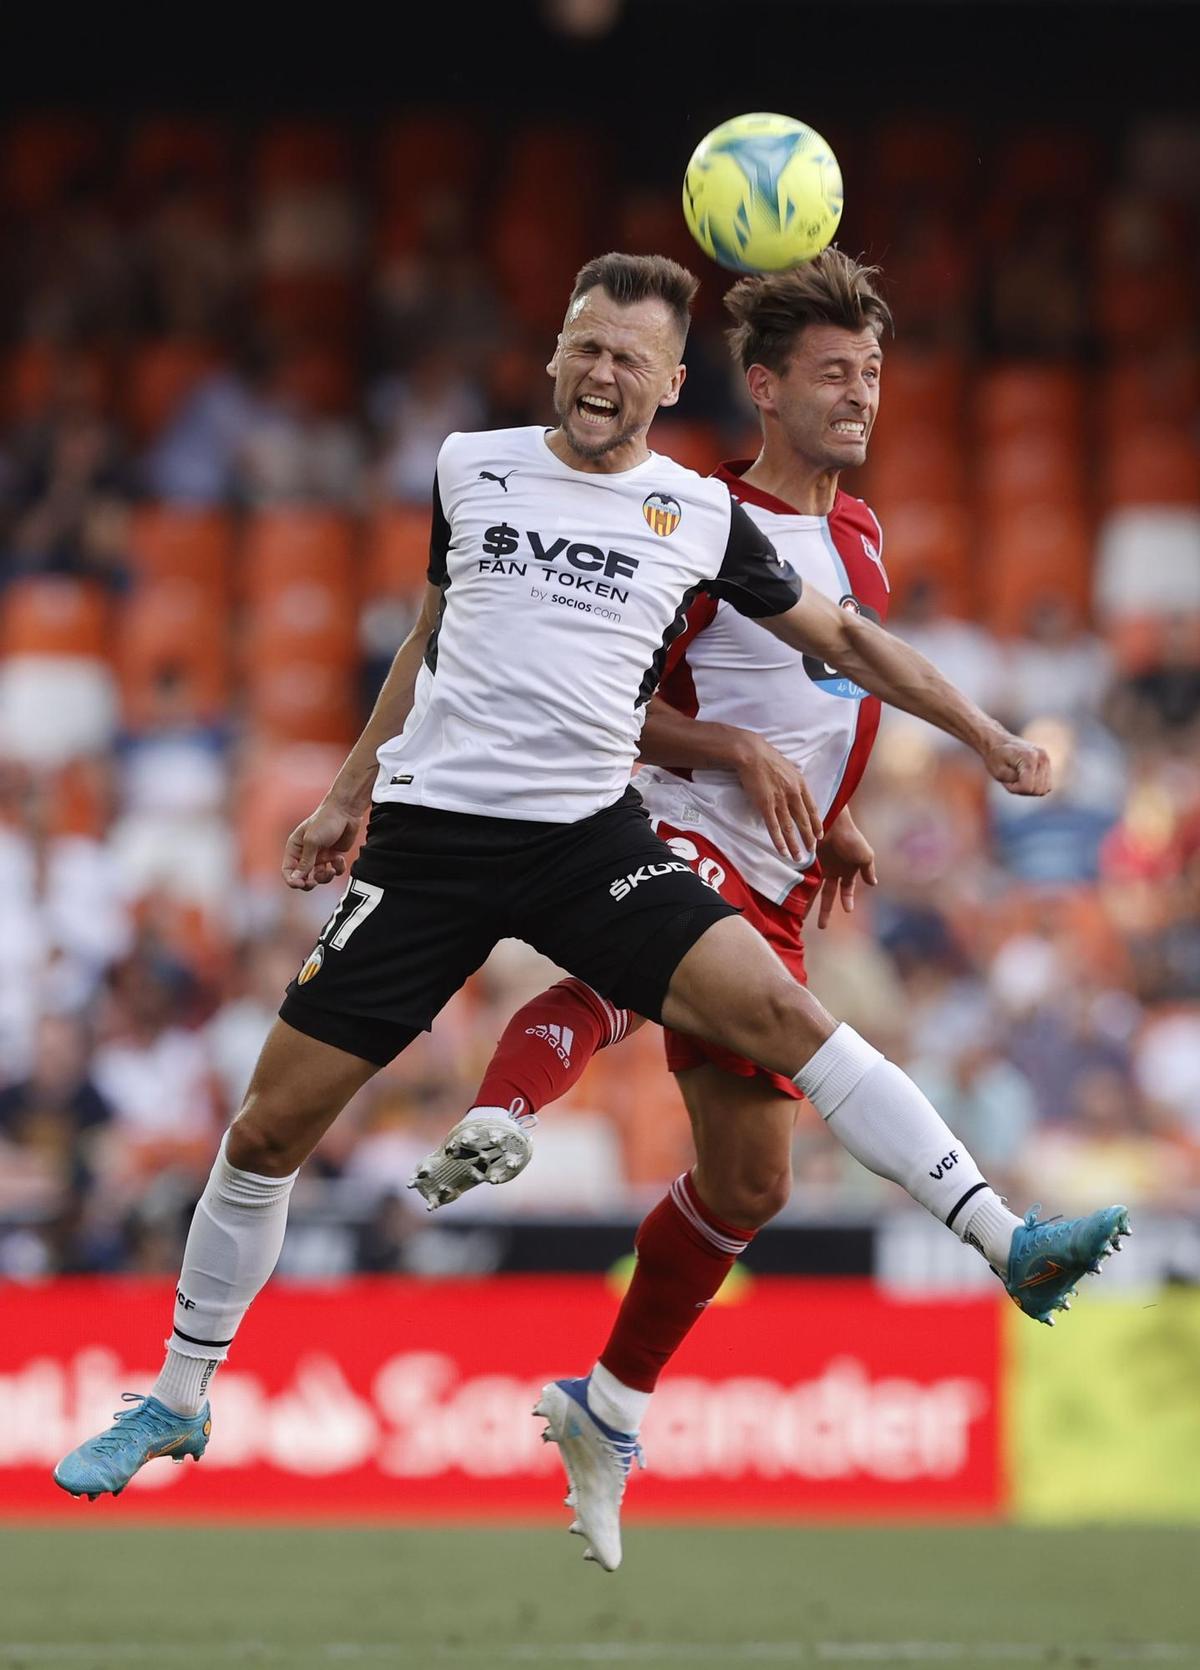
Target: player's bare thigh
x,y
743,1134
298,1088
731,989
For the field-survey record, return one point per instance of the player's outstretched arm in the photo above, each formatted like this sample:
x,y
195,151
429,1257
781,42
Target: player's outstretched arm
x,y
772,783
316,849
901,676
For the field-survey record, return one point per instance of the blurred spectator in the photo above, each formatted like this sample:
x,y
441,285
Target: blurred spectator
x,y
987,1101
68,476
1058,668
190,264
412,414
49,1121
237,1031
1165,696
1056,841
155,1075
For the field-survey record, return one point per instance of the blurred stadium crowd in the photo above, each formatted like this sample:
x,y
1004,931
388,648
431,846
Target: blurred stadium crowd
x,y
229,360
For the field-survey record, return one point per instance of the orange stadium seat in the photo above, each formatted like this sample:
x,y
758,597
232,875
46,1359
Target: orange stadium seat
x,y
41,155
306,614
930,153
280,545
1150,388
173,632
277,786
169,543
158,379
53,615
1045,468
698,446
926,389
427,152
290,154
161,148
1028,398
929,540
922,462
29,374
37,370
536,257
1137,307
1156,463
556,164
299,698
1136,641
397,551
1030,553
308,303
1042,162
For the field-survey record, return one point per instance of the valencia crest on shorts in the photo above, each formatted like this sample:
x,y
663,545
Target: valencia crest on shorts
x,y
663,513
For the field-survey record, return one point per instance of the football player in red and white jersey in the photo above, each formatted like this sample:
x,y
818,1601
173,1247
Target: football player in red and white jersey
x,y
751,754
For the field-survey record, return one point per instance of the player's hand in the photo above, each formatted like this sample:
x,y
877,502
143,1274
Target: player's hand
x,y
777,789
316,849
845,855
1019,766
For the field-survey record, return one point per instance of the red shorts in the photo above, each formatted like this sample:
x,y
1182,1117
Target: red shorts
x,y
782,929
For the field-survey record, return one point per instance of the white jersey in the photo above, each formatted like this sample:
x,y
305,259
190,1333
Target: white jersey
x,y
723,671
562,592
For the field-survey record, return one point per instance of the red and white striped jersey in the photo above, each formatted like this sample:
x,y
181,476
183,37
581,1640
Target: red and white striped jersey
x,y
729,671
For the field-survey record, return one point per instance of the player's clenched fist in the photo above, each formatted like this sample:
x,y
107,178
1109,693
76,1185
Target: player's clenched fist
x,y
316,849
1022,767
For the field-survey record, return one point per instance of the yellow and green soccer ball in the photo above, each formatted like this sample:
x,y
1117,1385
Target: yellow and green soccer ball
x,y
761,193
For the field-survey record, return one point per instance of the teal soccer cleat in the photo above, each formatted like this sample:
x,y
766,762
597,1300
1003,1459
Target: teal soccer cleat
x,y
108,1462
1046,1260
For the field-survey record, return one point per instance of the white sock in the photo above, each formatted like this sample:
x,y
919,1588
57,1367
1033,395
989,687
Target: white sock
x,y
878,1114
616,1404
232,1248
517,1111
183,1383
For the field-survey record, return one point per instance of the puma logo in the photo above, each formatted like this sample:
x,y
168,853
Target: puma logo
x,y
486,475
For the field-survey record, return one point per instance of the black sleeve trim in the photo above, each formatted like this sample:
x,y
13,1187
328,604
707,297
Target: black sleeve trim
x,y
439,538
753,576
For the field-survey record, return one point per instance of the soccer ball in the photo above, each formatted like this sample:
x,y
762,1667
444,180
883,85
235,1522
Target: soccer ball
x,y
762,193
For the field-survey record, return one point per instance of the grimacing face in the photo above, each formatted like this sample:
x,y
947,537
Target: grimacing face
x,y
826,398
613,367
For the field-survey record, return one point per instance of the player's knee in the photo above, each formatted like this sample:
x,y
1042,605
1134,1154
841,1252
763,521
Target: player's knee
x,y
752,1196
771,1024
259,1144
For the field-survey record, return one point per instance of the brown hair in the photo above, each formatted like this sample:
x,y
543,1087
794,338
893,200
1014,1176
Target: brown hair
x,y
770,310
639,278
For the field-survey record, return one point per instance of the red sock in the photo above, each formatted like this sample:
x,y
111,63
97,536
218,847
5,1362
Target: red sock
x,y
545,1047
684,1254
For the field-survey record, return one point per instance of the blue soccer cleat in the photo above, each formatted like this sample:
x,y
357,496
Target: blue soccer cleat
x,y
597,1459
138,1435
1046,1260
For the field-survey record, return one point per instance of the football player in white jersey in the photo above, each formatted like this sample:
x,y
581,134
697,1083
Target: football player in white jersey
x,y
756,750
495,767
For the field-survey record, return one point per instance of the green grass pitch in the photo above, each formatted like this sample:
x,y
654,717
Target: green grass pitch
x,y
123,1598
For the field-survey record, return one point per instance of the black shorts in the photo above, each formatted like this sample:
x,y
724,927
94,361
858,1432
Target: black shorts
x,y
431,893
